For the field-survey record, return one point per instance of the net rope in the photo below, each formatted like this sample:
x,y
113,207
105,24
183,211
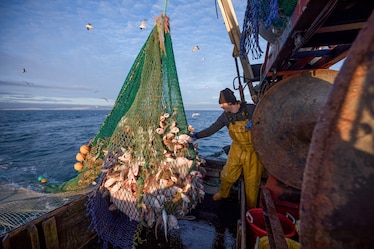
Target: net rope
x,y
273,14
141,170
20,205
150,174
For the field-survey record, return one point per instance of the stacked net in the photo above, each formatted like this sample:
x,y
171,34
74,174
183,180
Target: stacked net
x,y
144,163
20,205
272,14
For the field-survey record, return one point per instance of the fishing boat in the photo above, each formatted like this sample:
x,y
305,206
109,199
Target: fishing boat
x,y
312,130
69,225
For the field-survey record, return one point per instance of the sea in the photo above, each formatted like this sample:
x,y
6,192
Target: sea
x,y
43,143
35,143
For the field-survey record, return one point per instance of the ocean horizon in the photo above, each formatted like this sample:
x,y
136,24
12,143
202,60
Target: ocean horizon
x,y
37,143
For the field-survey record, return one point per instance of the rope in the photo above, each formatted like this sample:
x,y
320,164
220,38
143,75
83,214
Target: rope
x,y
240,87
263,12
166,3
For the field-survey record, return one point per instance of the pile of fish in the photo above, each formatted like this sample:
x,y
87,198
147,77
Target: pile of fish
x,y
158,187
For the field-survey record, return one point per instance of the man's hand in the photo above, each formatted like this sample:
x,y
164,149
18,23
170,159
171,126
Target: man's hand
x,y
192,138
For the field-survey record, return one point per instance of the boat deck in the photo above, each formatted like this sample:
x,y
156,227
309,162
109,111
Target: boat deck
x,y
214,226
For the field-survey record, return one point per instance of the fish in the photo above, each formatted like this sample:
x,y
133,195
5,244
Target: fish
x,y
152,202
110,182
116,187
126,157
172,222
174,130
165,221
151,217
184,139
163,183
163,125
160,131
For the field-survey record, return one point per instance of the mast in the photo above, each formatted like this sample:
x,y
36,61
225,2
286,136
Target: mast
x,y
233,30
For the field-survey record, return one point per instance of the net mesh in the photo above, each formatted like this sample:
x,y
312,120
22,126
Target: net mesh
x,y
141,169
150,174
273,14
20,205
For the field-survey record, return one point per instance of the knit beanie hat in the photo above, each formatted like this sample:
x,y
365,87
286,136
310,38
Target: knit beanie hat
x,y
227,96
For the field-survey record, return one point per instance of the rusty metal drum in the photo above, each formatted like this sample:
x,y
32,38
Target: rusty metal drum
x,y
284,120
337,198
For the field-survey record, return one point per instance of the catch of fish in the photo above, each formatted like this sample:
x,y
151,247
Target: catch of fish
x,y
158,188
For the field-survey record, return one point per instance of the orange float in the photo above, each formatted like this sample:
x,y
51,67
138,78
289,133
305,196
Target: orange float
x,y
78,166
80,157
84,149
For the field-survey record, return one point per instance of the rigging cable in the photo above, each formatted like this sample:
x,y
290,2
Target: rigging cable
x,y
166,3
240,83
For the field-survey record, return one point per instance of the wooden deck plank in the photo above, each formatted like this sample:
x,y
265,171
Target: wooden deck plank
x,y
71,229
32,233
50,233
5,243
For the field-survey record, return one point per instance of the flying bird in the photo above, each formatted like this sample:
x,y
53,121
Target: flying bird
x,y
142,25
105,99
28,83
89,26
194,49
24,70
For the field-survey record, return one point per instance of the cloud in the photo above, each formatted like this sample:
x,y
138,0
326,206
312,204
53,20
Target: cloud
x,y
25,84
64,60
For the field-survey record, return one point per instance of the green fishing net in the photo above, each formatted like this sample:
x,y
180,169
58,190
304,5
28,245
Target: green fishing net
x,y
142,160
150,90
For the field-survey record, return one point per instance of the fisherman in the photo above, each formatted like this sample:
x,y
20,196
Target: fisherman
x,y
237,117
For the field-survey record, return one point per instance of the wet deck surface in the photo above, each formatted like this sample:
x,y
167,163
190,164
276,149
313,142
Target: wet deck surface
x,y
214,227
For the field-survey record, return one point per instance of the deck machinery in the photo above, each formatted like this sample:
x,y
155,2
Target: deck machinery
x,y
313,126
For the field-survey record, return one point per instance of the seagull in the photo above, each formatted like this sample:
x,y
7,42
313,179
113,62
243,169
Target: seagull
x,y
24,70
142,25
105,99
89,26
194,49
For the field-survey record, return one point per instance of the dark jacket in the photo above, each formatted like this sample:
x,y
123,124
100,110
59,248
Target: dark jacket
x,y
245,112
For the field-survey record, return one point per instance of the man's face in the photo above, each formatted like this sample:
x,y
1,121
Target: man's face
x,y
226,107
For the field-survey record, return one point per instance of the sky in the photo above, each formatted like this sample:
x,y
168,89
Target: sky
x,y
70,67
